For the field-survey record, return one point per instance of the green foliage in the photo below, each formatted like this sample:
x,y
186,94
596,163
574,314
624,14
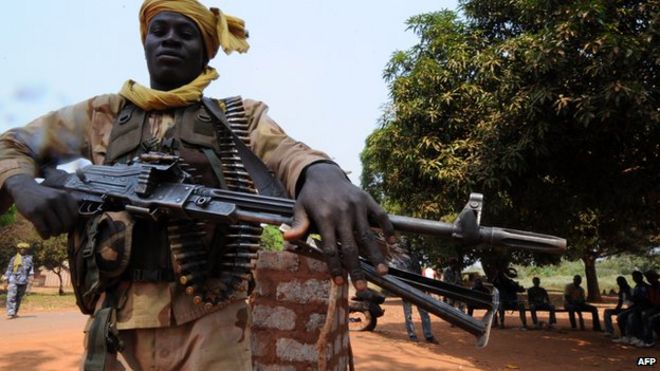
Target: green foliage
x,y
51,253
271,239
556,276
9,217
549,108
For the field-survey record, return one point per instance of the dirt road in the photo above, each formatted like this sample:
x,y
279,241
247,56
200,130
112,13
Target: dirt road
x,y
53,341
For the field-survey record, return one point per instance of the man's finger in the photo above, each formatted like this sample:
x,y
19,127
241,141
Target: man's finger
x,y
329,246
300,224
368,242
51,217
383,220
41,228
65,214
350,255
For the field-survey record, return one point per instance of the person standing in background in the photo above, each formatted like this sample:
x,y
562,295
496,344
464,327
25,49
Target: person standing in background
x,y
19,275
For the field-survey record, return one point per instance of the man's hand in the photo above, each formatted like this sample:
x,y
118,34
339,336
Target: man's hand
x,y
52,212
341,213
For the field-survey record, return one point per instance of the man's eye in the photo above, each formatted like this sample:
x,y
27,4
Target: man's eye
x,y
187,34
156,31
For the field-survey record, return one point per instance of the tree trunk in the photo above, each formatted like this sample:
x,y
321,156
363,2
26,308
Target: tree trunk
x,y
593,290
58,272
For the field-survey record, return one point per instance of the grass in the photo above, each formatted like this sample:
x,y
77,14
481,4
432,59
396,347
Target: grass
x,y
556,277
43,300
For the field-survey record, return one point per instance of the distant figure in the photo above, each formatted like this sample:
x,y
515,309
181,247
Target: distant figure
x,y
452,274
626,319
429,272
650,318
575,301
624,302
509,290
538,299
407,262
19,274
478,286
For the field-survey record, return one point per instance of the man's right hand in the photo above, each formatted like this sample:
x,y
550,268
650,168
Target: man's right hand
x,y
51,211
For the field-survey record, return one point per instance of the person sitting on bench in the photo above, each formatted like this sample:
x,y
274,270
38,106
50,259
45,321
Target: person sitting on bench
x,y
478,286
623,303
538,299
509,290
574,301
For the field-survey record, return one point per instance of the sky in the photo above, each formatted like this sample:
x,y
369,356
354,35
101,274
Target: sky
x,y
317,64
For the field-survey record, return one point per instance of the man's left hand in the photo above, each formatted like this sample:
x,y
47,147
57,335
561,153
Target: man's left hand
x,y
341,213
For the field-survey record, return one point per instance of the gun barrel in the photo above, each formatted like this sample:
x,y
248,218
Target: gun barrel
x,y
490,236
523,240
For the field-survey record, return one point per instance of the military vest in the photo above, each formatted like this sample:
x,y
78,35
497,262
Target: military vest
x,y
213,262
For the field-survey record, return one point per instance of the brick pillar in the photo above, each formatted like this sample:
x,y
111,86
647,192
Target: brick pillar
x,y
289,306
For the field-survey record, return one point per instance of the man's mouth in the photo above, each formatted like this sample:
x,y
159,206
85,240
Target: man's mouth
x,y
169,56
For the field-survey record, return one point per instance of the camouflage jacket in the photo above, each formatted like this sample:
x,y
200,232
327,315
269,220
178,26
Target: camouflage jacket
x,y
83,130
24,272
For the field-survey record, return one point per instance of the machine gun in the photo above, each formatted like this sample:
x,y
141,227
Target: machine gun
x,y
156,186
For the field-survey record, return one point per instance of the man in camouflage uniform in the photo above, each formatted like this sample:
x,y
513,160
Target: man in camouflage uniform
x,y
19,275
159,326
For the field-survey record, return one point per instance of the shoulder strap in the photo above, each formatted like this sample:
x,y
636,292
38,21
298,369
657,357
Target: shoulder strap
x,y
264,181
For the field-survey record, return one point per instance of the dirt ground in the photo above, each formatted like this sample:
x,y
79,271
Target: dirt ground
x,y
53,341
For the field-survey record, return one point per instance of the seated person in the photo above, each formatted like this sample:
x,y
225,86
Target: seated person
x,y
509,290
478,286
623,303
575,301
650,318
538,299
626,319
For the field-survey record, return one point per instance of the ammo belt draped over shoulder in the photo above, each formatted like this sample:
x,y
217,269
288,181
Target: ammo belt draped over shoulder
x,y
213,263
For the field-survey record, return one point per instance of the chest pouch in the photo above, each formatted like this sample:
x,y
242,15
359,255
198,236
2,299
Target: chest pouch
x,y
99,252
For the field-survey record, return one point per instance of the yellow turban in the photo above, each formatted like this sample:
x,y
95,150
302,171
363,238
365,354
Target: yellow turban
x,y
218,29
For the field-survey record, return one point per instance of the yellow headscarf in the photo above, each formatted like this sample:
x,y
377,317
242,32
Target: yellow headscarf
x,y
218,30
18,259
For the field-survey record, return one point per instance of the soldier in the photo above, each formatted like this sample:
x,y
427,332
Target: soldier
x,y
19,274
142,318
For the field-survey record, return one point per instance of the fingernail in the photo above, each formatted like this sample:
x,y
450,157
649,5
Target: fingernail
x,y
360,285
339,280
391,240
382,269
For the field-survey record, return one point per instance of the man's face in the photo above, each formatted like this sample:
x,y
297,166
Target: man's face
x,y
577,280
536,282
174,49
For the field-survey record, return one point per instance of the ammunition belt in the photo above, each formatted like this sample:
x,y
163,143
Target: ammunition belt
x,y
218,274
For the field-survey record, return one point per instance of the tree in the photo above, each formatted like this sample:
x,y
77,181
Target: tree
x,y
52,255
549,108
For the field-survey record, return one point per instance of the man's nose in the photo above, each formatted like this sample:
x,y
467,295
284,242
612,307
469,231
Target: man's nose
x,y
171,38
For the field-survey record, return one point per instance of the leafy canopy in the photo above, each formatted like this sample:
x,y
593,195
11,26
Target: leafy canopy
x,y
549,108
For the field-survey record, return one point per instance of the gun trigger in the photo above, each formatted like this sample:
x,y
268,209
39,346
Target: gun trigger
x,y
81,175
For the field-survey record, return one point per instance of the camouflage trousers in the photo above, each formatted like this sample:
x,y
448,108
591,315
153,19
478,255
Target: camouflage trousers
x,y
15,294
217,341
